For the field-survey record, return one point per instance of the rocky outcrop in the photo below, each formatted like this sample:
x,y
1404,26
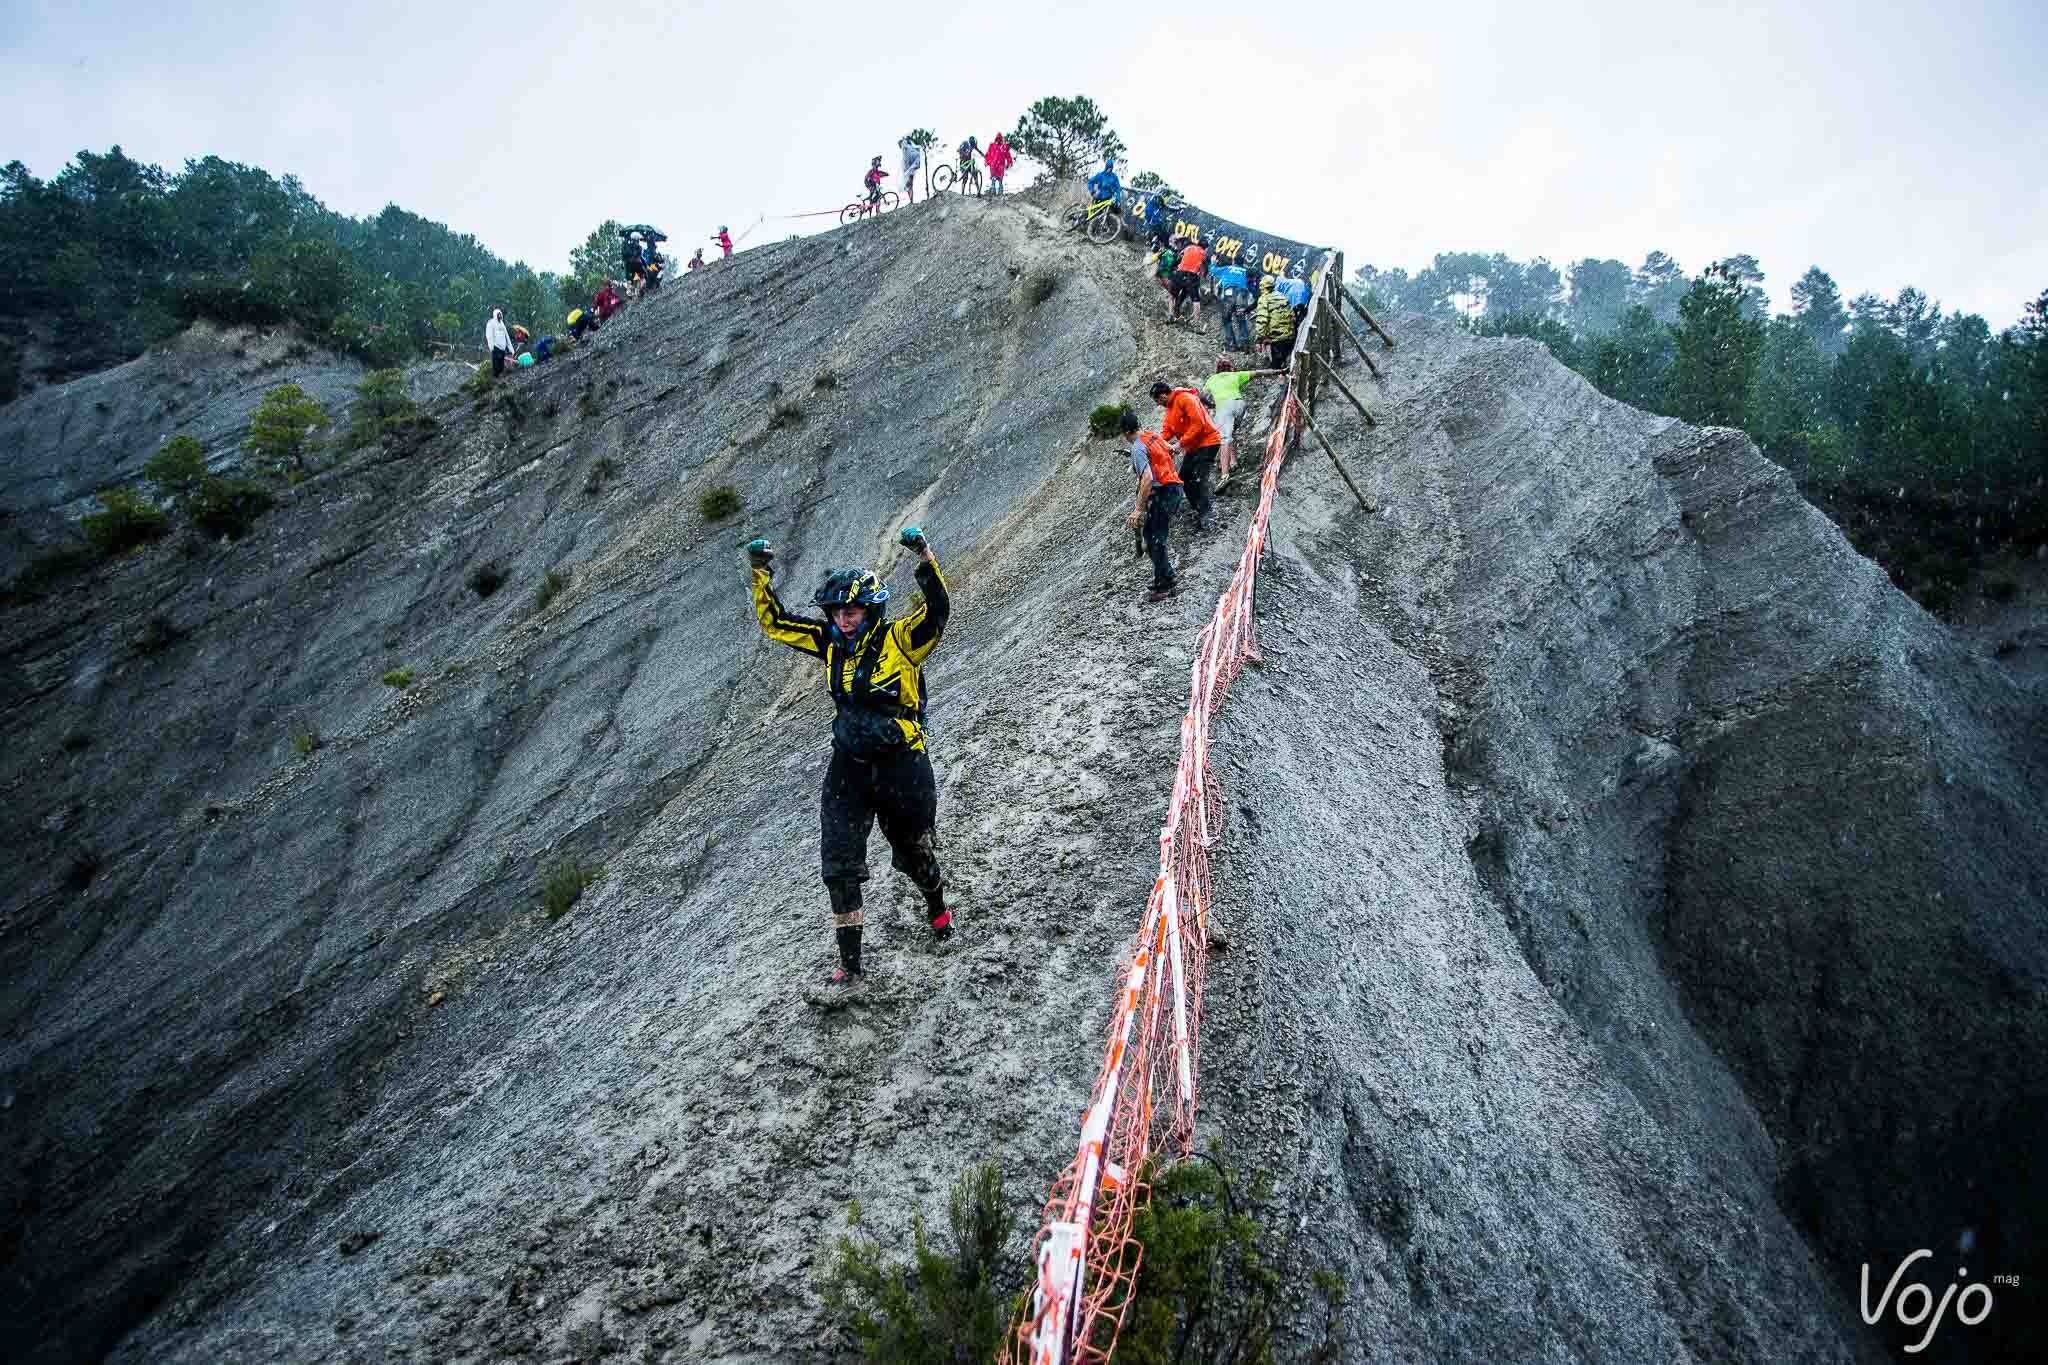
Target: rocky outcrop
x,y
1611,854
63,443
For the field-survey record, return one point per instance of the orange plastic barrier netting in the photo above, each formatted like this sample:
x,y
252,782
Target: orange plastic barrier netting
x,y
1144,1096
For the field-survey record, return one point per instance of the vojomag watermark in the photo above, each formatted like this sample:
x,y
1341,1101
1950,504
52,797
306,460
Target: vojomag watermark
x,y
1913,1311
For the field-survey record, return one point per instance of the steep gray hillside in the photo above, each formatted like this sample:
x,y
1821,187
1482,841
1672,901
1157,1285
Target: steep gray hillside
x,y
62,443
1634,904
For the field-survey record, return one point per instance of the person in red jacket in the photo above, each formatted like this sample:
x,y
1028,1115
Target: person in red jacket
x,y
1187,425
606,302
998,156
724,240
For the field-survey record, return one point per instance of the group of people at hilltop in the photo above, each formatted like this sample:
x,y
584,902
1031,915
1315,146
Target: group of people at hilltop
x,y
641,259
1257,309
998,158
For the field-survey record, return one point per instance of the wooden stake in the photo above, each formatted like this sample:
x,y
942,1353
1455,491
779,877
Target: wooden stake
x,y
1309,422
1367,316
1363,354
1345,389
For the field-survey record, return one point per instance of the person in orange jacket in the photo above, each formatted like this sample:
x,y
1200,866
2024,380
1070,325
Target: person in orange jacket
x,y
1159,493
1187,280
1187,425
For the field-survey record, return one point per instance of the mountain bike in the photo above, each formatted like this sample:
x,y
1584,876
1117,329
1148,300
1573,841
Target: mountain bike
x,y
967,178
861,208
1102,220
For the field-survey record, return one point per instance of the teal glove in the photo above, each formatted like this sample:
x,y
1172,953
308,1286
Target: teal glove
x,y
758,553
912,538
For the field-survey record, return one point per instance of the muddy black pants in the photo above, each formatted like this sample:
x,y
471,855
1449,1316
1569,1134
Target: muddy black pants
x,y
1194,472
898,790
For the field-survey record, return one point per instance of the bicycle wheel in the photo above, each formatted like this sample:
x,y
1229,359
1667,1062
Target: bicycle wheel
x,y
1076,218
853,212
1106,226
943,178
890,199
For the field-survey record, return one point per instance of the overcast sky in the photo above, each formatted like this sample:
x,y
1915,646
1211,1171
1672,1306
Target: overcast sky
x,y
1890,143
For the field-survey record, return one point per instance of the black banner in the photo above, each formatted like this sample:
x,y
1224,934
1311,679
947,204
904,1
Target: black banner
x,y
1235,244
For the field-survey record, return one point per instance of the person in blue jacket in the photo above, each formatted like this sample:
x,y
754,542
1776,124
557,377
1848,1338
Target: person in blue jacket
x,y
1104,183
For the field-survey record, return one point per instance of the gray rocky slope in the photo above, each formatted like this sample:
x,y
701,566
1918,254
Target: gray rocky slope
x,y
61,444
1634,905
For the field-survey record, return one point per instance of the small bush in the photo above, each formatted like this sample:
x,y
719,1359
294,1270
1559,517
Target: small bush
x,y
381,403
10,371
561,886
785,415
80,868
399,677
281,435
1039,286
600,473
551,587
486,578
179,468
77,742
123,522
306,742
826,380
716,504
947,1302
1106,421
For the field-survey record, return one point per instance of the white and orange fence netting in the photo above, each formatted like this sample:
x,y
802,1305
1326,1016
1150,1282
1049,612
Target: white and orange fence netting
x,y
1144,1096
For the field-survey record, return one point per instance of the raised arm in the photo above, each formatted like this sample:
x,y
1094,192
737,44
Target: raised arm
x,y
927,621
806,637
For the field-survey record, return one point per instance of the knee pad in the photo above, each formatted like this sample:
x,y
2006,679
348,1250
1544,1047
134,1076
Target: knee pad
x,y
845,894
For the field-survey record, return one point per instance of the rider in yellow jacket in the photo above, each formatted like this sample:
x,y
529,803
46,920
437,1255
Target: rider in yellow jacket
x,y
874,670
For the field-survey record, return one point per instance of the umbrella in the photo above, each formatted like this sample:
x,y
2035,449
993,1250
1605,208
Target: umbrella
x,y
652,234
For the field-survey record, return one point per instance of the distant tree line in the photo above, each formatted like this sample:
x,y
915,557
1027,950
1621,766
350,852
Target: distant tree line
x,y
1923,434
113,255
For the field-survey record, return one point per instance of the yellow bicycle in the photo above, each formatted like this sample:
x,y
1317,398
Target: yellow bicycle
x,y
1102,220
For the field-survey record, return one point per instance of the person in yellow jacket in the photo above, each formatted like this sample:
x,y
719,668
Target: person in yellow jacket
x,y
874,670
1273,323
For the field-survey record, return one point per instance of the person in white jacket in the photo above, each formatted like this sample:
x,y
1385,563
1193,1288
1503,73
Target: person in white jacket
x,y
498,339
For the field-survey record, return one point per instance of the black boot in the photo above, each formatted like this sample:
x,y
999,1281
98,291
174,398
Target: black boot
x,y
845,894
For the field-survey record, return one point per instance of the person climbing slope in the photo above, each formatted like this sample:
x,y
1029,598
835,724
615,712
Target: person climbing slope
x,y
606,302
1159,493
724,238
1187,280
1273,323
1187,425
1226,389
874,671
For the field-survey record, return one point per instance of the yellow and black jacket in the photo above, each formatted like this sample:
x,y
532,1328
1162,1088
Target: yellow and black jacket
x,y
876,678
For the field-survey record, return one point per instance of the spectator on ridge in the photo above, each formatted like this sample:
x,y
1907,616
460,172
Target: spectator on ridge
x,y
969,150
999,158
913,157
724,238
1274,323
1159,494
499,339
697,261
1104,183
873,180
1188,426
